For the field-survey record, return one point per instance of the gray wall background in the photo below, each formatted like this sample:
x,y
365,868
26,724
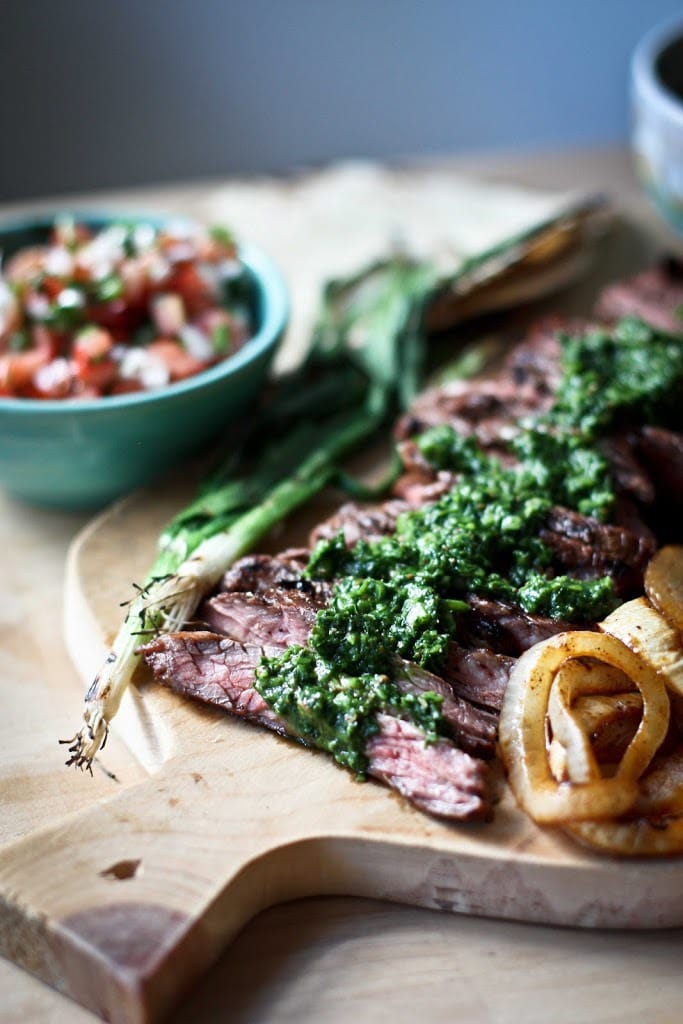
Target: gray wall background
x,y
97,93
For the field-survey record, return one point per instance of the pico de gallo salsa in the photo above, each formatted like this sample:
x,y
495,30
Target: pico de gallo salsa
x,y
128,307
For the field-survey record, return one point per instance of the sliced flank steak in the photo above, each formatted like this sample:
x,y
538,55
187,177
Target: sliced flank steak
x,y
478,674
587,549
438,778
505,628
277,619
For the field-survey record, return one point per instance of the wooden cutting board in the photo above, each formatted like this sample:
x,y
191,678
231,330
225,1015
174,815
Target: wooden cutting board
x,y
124,906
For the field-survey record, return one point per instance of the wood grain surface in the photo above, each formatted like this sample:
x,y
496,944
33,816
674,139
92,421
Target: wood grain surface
x,y
34,660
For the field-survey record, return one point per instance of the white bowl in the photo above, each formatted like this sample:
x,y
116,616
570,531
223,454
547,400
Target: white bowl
x,y
657,104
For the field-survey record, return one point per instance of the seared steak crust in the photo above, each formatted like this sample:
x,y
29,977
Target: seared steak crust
x,y
662,451
371,522
505,628
277,617
478,674
588,549
255,573
486,409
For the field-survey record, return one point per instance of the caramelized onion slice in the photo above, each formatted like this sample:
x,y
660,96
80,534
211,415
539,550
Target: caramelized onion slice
x,y
580,764
664,584
590,700
523,740
645,630
642,837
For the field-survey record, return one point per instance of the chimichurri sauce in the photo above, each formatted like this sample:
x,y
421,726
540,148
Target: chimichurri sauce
x,y
402,595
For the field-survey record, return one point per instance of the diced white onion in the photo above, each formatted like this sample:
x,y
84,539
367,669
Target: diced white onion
x,y
70,298
104,251
9,308
59,261
37,305
196,342
144,236
211,277
54,375
143,366
182,230
230,269
168,313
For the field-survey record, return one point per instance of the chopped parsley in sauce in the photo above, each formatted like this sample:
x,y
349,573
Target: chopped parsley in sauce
x,y
402,595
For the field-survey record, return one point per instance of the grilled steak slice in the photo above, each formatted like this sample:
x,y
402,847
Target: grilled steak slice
x,y
505,628
277,617
256,573
488,409
438,778
588,549
627,514
535,362
478,674
369,522
662,451
212,669
419,488
628,474
654,295
473,729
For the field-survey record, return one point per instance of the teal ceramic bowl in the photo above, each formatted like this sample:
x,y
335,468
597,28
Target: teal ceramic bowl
x,y
82,455
657,101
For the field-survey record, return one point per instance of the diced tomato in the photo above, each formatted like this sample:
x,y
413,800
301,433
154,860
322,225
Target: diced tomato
x,y
52,286
125,386
25,264
179,362
118,316
49,342
92,345
135,280
94,367
195,292
18,369
100,375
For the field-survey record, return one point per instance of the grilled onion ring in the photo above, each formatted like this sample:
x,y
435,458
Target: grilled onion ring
x,y
523,731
